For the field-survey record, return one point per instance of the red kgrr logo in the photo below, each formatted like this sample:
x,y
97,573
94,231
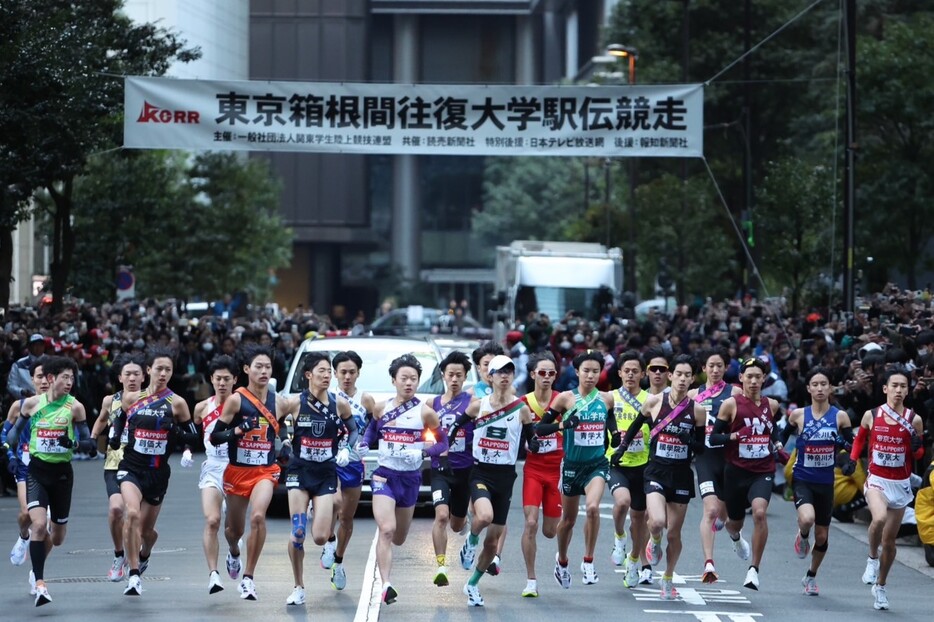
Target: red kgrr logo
x,y
154,114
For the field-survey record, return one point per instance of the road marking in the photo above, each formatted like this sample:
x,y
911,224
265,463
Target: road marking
x,y
371,593
710,616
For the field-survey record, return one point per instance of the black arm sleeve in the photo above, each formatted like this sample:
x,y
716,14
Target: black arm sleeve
x,y
721,432
13,433
222,433
460,422
352,432
786,433
699,446
611,426
847,434
118,425
547,425
85,443
634,428
187,433
528,431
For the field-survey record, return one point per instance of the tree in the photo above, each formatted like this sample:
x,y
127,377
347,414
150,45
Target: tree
x,y
196,228
793,217
62,100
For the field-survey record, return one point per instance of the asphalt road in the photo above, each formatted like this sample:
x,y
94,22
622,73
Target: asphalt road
x,y
176,583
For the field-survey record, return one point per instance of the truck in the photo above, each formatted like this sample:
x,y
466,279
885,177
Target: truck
x,y
555,277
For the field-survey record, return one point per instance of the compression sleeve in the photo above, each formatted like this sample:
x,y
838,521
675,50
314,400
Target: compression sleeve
x,y
353,432
460,422
860,443
699,446
372,433
188,432
786,433
633,429
17,428
547,425
847,437
222,433
85,443
721,432
441,443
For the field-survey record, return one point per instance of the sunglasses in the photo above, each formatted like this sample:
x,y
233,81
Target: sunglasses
x,y
658,369
546,373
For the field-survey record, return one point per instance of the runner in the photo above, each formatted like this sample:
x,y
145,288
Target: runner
x,y
154,420
319,421
542,472
129,370
481,358
677,431
893,434
500,421
745,424
820,429
657,369
347,366
57,424
589,413
18,456
710,463
400,431
249,424
222,370
627,469
450,472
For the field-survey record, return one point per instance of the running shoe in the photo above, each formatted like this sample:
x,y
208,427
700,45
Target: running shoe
x,y
668,589
117,570
562,574
752,579
43,598
710,573
590,574
882,600
297,597
247,589
389,594
472,592
810,586
495,567
871,572
631,579
741,547
134,587
802,546
717,525
619,550
19,551
214,583
233,566
531,589
441,577
32,583
327,554
645,576
468,554
338,577
143,565
653,551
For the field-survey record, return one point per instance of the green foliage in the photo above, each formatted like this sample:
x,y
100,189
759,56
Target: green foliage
x,y
190,228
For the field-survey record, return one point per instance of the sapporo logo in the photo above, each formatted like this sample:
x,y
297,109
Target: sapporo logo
x,y
155,114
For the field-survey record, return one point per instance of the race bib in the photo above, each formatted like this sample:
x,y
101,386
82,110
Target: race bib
x,y
637,445
316,449
754,447
670,447
254,453
589,434
548,444
24,459
459,444
818,457
151,442
392,444
495,451
888,458
47,441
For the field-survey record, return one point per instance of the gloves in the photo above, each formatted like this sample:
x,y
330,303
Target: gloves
x,y
343,457
12,462
782,457
916,442
615,439
187,460
743,433
92,451
285,453
686,437
411,457
65,441
534,444
571,422
848,467
246,425
362,449
616,456
114,442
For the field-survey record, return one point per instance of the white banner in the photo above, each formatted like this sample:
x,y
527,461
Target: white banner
x,y
442,119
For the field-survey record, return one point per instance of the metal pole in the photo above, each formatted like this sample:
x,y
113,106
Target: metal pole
x,y
606,197
630,267
849,171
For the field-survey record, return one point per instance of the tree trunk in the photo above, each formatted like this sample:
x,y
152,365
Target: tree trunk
x,y
63,242
6,265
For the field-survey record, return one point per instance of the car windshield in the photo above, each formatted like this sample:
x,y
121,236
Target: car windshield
x,y
374,377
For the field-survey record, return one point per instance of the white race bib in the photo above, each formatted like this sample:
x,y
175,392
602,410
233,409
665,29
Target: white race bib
x,y
548,444
670,447
888,458
47,441
316,449
588,434
151,442
754,448
819,456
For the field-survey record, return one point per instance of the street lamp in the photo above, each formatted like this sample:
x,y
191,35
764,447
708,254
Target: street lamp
x,y
621,51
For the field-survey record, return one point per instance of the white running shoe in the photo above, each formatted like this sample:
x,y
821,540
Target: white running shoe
x,y
668,589
43,598
741,547
653,551
882,600
472,592
752,579
247,589
19,551
645,577
134,587
631,579
619,550
710,573
338,577
297,597
214,583
531,589
233,566
590,573
32,583
327,554
441,577
872,571
810,586
562,574
468,554
117,570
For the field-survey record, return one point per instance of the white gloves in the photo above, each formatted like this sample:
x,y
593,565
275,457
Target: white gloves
x,y
187,460
362,449
343,457
412,457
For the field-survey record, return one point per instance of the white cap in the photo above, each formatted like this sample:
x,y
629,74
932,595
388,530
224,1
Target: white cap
x,y
869,347
500,361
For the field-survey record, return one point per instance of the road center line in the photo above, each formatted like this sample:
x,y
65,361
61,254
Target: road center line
x,y
370,593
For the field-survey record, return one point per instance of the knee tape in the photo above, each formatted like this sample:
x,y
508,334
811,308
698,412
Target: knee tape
x,y
299,525
821,547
